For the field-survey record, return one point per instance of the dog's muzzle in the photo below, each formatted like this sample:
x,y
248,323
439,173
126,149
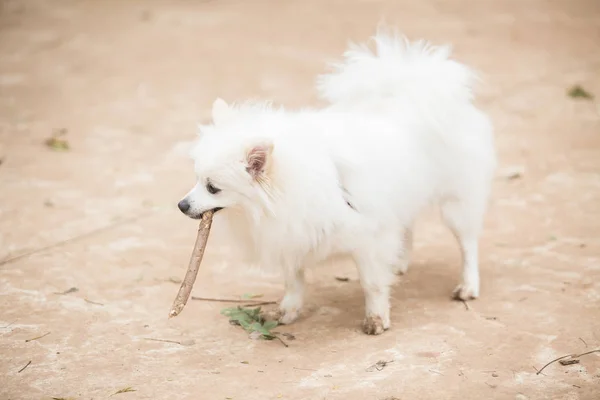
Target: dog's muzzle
x,y
184,206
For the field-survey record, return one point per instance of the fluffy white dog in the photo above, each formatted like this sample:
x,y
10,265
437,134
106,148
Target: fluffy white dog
x,y
400,133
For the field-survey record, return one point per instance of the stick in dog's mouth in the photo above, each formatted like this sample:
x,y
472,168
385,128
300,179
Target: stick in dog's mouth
x,y
190,276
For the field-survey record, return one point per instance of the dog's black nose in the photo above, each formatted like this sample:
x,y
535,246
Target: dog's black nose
x,y
183,205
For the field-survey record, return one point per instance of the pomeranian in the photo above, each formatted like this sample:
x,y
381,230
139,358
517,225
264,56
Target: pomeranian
x,y
399,132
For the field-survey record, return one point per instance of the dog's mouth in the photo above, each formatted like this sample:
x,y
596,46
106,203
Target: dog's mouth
x,y
199,216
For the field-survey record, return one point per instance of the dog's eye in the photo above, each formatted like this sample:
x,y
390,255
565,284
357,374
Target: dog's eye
x,y
212,189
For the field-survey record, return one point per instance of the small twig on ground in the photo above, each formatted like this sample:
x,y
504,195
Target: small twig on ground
x,y
262,303
281,340
37,337
73,239
539,371
567,356
583,342
163,340
93,302
587,352
342,278
247,301
436,372
7,326
23,369
288,336
125,390
305,369
466,305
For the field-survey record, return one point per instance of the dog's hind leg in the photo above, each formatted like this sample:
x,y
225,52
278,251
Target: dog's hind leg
x,y
401,267
464,218
374,260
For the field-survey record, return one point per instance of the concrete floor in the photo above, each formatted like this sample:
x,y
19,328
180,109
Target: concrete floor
x,y
130,80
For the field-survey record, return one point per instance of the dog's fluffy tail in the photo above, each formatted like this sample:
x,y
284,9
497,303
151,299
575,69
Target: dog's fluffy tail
x,y
415,73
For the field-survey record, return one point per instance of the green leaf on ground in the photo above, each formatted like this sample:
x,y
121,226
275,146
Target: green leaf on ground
x,y
577,92
56,143
250,320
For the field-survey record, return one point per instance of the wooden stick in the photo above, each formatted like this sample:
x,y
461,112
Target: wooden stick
x,y
190,276
37,337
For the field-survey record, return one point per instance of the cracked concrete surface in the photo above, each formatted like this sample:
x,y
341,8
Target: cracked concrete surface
x,y
129,81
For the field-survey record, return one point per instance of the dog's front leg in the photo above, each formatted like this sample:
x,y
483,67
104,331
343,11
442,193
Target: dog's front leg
x,y
292,302
294,295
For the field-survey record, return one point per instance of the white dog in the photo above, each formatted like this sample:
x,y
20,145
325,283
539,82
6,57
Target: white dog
x,y
299,186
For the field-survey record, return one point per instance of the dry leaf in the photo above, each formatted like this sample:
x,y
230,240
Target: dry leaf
x,y
56,143
569,362
379,365
70,290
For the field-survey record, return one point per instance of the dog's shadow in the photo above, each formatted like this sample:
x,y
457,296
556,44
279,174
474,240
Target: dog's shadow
x,y
340,305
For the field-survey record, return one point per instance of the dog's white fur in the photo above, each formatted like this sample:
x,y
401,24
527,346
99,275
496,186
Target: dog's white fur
x,y
400,133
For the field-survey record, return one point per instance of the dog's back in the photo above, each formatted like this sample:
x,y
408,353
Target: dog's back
x,y
441,145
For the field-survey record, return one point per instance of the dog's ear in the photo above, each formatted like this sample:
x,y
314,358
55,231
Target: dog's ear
x,y
258,159
220,111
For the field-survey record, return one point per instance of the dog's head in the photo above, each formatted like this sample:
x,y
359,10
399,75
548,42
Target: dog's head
x,y
232,167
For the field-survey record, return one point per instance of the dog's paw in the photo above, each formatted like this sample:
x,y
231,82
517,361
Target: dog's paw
x,y
279,315
466,291
271,315
374,325
287,317
290,307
